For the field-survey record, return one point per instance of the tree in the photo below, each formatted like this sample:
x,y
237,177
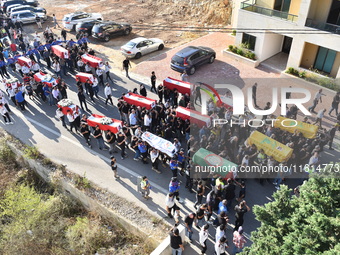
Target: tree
x,y
299,225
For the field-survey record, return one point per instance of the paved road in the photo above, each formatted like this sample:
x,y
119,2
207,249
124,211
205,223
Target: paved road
x,y
37,126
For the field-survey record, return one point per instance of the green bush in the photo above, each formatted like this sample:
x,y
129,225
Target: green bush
x,y
230,47
234,32
31,152
7,156
81,182
240,52
292,71
234,50
302,74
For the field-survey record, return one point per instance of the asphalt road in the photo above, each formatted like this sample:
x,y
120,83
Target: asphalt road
x,y
37,126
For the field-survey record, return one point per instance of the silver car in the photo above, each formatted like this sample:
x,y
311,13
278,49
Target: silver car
x,y
140,46
26,17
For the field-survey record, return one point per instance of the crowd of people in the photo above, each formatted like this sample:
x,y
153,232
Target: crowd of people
x,y
223,140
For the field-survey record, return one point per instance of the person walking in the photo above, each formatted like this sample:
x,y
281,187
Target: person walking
x,y
319,117
107,72
316,100
184,76
20,100
203,237
111,140
82,99
145,187
198,94
97,133
126,66
38,21
254,89
108,93
100,75
114,167
188,221
55,22
154,159
220,246
199,193
335,104
153,82
239,241
57,68
240,210
5,114
71,120
95,87
85,131
60,115
63,34
176,243
160,91
170,205
121,141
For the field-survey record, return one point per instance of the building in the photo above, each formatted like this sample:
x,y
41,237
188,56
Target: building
x,y
308,31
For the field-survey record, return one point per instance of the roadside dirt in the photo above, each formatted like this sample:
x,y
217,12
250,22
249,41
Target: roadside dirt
x,y
142,13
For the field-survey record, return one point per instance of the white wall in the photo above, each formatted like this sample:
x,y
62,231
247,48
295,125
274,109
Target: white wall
x,y
272,45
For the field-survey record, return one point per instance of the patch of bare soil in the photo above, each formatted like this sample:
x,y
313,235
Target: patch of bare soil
x,y
149,18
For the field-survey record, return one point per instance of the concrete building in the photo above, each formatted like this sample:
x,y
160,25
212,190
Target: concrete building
x,y
307,32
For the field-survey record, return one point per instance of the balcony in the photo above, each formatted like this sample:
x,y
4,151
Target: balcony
x,y
335,29
252,7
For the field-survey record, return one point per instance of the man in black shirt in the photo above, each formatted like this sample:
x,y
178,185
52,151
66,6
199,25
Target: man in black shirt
x,y
82,99
121,139
176,241
254,88
111,139
126,65
188,221
160,90
240,210
153,82
85,131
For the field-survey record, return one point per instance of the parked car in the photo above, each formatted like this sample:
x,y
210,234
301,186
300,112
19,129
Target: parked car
x,y
11,7
140,46
27,17
108,29
36,10
189,58
4,5
86,26
70,20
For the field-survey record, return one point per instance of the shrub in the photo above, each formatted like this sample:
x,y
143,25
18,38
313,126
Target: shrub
x,y
82,182
292,71
7,156
31,152
302,74
234,50
240,52
233,32
230,47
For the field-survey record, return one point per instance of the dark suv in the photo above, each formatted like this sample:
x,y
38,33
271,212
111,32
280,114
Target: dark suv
x,y
106,30
86,26
189,58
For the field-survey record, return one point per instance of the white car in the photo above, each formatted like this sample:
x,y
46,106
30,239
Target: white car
x,y
70,20
27,17
140,46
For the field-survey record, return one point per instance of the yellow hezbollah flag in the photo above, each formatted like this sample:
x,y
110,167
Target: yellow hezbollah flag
x,y
308,130
278,151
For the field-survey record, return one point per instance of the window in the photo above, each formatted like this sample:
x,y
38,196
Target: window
x,y
325,59
196,55
249,40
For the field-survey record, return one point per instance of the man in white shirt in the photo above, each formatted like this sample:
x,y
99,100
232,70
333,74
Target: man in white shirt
x,y
80,65
147,121
139,132
220,246
56,67
25,69
56,94
88,68
100,75
319,117
35,67
108,93
107,71
133,118
316,100
95,87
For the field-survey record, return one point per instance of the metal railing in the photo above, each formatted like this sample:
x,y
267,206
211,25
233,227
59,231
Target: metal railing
x,y
323,26
252,7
